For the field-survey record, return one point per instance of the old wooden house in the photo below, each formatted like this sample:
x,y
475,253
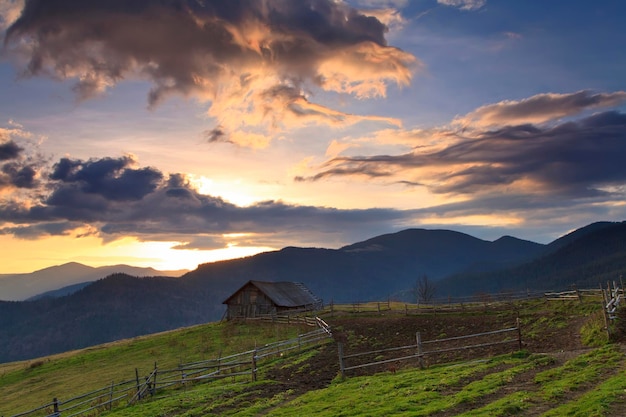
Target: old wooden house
x,y
260,298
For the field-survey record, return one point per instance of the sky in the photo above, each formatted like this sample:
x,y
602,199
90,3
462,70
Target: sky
x,y
169,133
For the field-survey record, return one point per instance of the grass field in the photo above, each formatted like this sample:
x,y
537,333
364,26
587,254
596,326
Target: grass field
x,y
29,384
592,384
567,368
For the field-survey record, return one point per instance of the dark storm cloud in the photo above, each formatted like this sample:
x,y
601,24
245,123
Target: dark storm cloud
x,y
110,198
574,159
9,150
18,175
16,171
110,178
228,52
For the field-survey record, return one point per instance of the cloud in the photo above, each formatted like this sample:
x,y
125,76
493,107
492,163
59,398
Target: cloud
x,y
255,58
18,175
378,4
9,13
335,148
464,4
36,231
574,159
516,178
109,178
113,198
390,17
216,135
18,169
9,150
539,108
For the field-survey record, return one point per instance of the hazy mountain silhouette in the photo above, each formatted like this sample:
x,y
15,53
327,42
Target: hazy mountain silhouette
x,y
18,287
121,306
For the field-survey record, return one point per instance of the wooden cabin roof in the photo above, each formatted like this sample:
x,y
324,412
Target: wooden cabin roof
x,y
283,294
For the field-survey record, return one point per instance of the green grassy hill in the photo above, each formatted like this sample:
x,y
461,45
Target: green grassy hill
x,y
566,368
29,384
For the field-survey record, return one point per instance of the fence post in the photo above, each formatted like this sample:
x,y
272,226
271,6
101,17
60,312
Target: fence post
x,y
379,308
254,365
154,382
341,364
603,295
138,386
580,298
420,355
606,316
55,407
519,333
111,396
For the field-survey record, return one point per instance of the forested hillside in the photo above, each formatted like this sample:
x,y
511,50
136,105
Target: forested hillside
x,y
384,267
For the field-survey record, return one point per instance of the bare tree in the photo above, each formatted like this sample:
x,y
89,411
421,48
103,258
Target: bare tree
x,y
424,289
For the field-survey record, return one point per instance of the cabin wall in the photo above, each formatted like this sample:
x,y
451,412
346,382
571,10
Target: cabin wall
x,y
250,302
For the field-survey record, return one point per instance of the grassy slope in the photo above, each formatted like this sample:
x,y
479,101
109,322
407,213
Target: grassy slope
x,y
589,383
576,388
29,384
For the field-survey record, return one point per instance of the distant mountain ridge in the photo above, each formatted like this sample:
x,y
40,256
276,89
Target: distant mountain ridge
x,y
121,306
585,258
19,287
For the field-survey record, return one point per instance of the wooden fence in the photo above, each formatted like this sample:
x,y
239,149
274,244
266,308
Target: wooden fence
x,y
612,298
285,319
417,352
242,366
479,301
575,295
94,401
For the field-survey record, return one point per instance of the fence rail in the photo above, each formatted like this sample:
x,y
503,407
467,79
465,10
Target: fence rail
x,y
419,353
574,294
239,365
284,319
480,301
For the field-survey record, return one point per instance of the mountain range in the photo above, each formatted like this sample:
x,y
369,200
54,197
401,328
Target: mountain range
x,y
387,266
67,278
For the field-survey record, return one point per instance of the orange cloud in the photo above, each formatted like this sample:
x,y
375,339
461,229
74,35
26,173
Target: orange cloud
x,y
255,63
539,108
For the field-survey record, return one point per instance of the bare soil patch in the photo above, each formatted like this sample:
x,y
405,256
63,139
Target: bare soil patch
x,y
360,333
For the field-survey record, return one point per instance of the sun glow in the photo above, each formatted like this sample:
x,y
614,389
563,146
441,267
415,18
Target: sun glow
x,y
236,191
162,256
91,251
476,220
